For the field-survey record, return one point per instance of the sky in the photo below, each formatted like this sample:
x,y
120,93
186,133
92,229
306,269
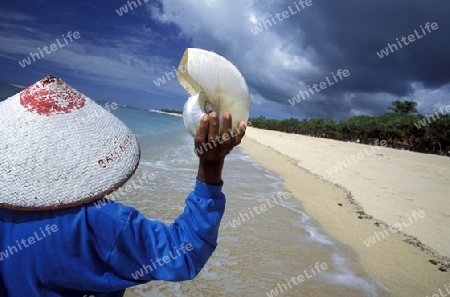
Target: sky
x,y
282,48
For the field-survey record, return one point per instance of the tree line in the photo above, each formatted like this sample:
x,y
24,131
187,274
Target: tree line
x,y
401,128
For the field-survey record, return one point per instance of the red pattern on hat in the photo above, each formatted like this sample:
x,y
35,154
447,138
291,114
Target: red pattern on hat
x,y
51,96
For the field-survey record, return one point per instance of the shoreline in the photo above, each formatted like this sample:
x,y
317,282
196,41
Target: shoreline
x,y
163,112
403,267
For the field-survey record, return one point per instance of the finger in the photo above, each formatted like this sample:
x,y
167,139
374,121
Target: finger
x,y
213,130
202,131
241,132
227,124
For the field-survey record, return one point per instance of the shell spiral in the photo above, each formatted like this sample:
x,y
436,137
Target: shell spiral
x,y
213,83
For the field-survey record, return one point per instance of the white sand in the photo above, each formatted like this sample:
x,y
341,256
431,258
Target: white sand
x,y
389,184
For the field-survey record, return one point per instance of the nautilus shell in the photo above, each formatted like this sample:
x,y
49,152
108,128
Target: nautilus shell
x,y
213,83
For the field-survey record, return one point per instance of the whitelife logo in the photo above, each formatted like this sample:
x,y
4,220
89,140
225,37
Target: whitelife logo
x,y
441,293
53,47
411,38
281,16
147,269
209,146
245,216
323,85
395,228
168,76
423,122
24,243
356,158
296,280
124,9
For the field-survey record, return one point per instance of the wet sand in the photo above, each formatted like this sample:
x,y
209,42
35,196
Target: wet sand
x,y
388,185
262,253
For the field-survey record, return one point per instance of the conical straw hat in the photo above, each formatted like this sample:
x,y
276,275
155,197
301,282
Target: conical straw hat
x,y
60,149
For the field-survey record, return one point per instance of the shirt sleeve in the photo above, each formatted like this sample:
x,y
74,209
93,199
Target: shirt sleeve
x,y
150,250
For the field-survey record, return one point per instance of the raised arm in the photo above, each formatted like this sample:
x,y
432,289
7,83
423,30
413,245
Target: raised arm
x,y
150,250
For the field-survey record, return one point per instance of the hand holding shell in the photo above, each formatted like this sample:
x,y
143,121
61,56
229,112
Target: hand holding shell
x,y
214,83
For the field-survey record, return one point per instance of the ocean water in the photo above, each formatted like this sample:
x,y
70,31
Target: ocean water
x,y
258,253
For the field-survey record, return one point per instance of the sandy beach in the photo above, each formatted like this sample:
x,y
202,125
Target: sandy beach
x,y
380,193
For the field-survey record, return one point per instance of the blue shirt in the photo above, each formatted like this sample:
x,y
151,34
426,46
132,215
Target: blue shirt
x,y
100,251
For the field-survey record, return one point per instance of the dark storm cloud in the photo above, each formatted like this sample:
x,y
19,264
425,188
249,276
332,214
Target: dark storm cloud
x,y
348,34
278,63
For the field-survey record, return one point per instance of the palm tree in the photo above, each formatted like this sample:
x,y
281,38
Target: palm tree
x,y
404,107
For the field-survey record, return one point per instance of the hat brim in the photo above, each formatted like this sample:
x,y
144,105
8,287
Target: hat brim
x,y
62,160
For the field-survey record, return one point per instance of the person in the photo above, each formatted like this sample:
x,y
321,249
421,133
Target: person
x,y
56,160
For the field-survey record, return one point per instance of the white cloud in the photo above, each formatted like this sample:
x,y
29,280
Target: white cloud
x,y
429,99
121,61
225,27
275,62
15,16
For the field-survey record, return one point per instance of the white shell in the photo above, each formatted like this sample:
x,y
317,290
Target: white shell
x,y
214,83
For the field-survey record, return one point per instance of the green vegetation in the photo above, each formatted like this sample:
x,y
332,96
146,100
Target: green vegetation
x,y
403,107
401,129
172,111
